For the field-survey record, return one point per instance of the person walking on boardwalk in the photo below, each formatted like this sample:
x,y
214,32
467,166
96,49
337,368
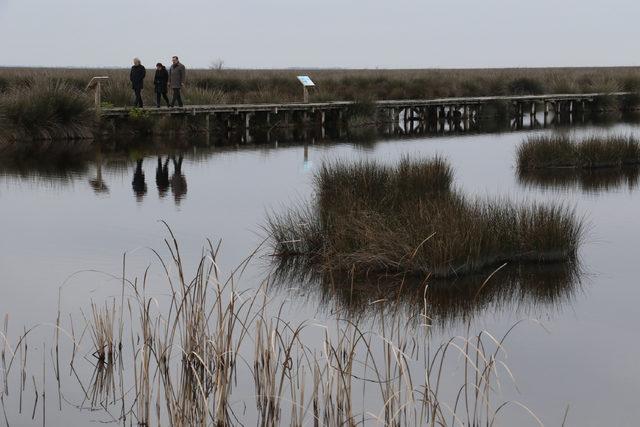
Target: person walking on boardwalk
x,y
160,82
177,76
137,75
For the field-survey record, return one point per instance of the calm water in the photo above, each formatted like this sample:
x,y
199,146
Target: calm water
x,y
58,221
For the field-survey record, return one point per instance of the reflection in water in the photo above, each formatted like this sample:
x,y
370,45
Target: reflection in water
x,y
522,288
178,181
162,177
98,184
587,180
139,185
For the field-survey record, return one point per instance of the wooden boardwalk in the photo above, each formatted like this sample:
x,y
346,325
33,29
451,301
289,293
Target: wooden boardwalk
x,y
409,110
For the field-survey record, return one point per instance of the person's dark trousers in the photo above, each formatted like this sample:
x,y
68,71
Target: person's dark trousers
x,y
138,102
159,96
176,98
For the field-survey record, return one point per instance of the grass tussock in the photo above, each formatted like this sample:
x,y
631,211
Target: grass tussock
x,y
563,151
45,110
368,217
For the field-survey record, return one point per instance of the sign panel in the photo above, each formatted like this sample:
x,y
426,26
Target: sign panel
x,y
306,81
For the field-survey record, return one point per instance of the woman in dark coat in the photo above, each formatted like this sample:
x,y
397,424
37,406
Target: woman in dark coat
x,y
161,82
138,73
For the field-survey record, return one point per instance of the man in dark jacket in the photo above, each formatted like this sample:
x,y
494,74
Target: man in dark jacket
x,y
177,76
160,82
137,75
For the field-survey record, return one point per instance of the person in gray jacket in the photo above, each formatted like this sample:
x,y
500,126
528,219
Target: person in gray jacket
x,y
177,76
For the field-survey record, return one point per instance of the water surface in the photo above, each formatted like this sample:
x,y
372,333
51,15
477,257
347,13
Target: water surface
x,y
60,219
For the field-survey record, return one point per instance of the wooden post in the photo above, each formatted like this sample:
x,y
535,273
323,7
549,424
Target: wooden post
x,y
305,94
96,84
98,98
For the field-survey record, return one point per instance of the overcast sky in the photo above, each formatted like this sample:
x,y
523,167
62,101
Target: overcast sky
x,y
326,33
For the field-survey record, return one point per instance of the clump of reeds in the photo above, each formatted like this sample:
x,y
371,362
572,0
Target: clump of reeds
x,y
45,110
563,151
102,328
368,217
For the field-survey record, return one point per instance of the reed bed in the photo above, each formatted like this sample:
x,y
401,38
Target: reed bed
x,y
563,151
188,353
367,217
250,86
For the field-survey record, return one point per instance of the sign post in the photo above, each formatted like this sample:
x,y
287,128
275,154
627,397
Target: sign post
x,y
306,84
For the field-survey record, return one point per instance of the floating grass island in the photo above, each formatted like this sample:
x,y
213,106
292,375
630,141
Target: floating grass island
x,y
562,151
370,218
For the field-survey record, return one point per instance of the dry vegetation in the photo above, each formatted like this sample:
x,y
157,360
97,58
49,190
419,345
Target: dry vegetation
x,y
563,151
188,353
243,86
372,218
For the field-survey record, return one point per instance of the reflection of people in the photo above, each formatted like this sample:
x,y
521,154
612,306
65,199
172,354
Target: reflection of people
x,y
162,177
178,181
137,75
177,76
160,82
138,183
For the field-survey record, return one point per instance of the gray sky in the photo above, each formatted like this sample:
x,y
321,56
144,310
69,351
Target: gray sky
x,y
327,33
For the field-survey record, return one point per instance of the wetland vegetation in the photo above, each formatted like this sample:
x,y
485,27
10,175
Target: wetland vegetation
x,y
563,151
367,217
179,357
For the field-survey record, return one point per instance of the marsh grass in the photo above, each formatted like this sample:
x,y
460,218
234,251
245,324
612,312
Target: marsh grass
x,y
246,86
367,217
187,353
563,151
45,110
